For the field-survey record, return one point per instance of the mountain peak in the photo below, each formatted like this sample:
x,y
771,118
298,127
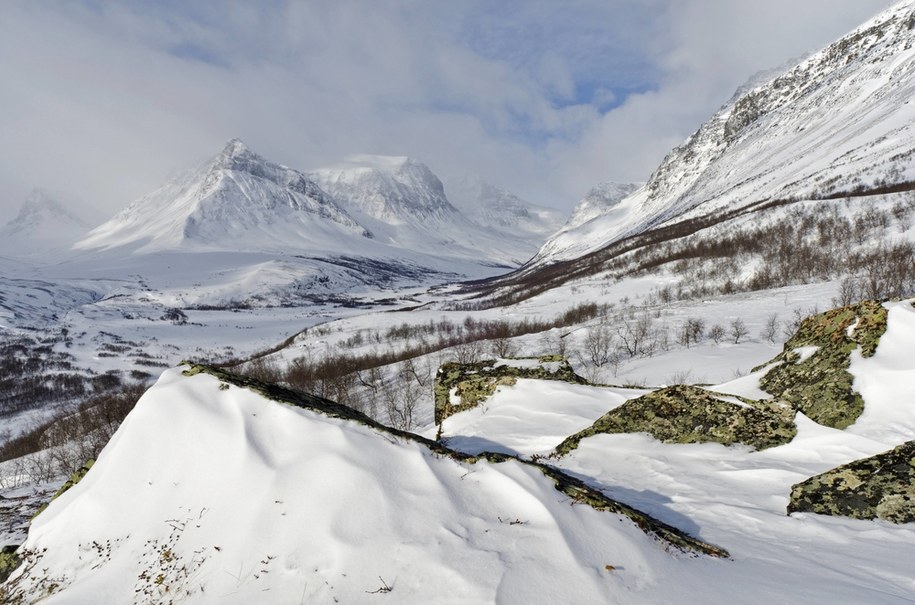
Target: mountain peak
x,y
42,225
39,205
234,148
388,188
238,199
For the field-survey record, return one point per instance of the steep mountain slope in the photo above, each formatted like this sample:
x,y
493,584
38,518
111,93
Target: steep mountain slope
x,y
43,225
838,122
237,201
404,204
492,206
591,221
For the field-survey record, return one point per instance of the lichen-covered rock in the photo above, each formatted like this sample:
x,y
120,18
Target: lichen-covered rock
x,y
819,384
9,562
462,386
688,414
879,487
74,478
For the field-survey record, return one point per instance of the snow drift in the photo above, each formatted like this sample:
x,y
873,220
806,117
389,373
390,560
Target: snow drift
x,y
211,493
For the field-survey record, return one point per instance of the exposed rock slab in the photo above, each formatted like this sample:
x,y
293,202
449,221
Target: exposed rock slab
x,y
879,487
819,384
462,386
688,414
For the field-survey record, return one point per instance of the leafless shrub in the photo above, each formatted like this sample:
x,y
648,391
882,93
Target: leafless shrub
x,y
770,328
738,330
599,345
716,333
691,331
634,334
849,292
467,352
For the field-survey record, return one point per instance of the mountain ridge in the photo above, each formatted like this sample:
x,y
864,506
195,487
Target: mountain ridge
x,y
837,121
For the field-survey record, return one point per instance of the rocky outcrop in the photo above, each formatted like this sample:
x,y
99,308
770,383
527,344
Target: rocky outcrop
x,y
879,487
812,375
462,386
688,414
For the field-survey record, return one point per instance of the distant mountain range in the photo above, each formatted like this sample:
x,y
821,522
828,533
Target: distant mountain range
x,y
240,230
367,205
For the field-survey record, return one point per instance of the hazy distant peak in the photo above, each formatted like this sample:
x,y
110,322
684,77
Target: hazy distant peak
x,y
43,226
598,200
234,148
40,205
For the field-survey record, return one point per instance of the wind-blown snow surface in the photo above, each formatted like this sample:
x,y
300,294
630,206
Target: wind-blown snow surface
x,y
211,495
265,503
840,120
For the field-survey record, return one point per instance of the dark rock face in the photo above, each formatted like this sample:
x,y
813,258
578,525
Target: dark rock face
x,y
879,487
688,414
820,386
472,383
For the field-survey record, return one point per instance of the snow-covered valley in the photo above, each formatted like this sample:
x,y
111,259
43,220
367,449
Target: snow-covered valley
x,y
359,382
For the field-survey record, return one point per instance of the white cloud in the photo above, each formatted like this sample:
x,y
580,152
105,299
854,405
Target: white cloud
x,y
101,102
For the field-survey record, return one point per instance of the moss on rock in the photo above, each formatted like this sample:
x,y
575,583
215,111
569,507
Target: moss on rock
x,y
820,385
879,487
9,562
472,383
75,478
689,414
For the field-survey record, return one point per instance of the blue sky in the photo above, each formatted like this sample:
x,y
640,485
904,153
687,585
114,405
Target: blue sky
x,y
102,101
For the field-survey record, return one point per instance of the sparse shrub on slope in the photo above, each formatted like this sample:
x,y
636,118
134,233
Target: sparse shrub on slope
x,y
688,414
879,487
62,445
819,384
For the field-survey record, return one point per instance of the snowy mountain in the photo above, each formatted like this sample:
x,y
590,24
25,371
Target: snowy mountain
x,y
236,201
839,122
404,204
589,221
387,188
241,231
487,204
43,225
601,199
